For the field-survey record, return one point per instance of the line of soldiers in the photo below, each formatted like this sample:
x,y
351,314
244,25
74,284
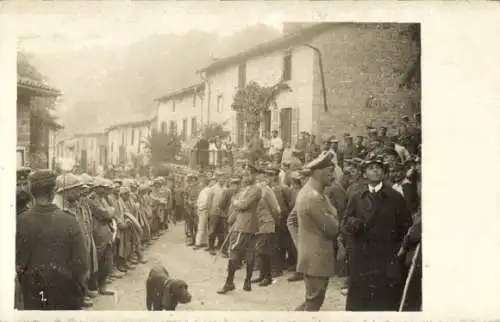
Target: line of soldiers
x,y
81,233
261,215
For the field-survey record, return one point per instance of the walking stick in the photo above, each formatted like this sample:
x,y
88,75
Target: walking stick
x,y
409,277
219,251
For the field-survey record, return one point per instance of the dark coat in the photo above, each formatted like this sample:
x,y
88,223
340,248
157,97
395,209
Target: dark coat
x,y
103,223
50,243
376,225
338,198
244,215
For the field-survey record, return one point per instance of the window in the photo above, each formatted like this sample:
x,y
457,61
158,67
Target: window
x,y
184,128
173,128
242,75
132,137
287,67
20,157
163,127
123,137
219,103
173,106
193,126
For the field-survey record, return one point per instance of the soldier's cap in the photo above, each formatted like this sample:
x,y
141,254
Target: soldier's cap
x,y
23,173
41,178
369,127
376,159
304,172
324,160
347,134
68,182
333,141
235,180
118,180
190,176
295,175
373,131
360,136
357,161
296,150
383,128
405,118
348,137
124,190
389,151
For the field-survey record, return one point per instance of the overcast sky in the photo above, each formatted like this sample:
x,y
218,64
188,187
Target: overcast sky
x,y
90,25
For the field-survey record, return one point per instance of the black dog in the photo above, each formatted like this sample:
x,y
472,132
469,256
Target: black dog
x,y
164,293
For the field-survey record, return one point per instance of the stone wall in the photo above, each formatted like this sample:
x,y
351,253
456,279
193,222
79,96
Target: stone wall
x,y
363,63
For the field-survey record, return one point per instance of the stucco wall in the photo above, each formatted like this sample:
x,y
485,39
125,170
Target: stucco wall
x,y
266,70
185,108
359,61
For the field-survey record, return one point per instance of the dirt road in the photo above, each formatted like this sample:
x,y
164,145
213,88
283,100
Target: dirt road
x,y
205,276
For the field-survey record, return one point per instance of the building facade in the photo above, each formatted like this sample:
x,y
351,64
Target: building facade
x,y
126,142
35,142
363,67
180,112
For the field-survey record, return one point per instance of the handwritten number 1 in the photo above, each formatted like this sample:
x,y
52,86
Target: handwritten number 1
x,y
42,296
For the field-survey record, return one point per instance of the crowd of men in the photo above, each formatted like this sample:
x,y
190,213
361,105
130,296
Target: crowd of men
x,y
319,210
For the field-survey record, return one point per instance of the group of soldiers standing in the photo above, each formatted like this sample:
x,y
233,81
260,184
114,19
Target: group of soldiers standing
x,y
351,210
81,233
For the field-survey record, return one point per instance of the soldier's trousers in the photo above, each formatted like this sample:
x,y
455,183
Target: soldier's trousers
x,y
315,293
105,260
287,253
51,293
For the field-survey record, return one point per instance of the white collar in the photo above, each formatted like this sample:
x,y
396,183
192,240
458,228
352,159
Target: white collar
x,y
376,188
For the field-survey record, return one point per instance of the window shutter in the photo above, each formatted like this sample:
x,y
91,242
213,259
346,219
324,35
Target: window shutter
x,y
295,125
275,119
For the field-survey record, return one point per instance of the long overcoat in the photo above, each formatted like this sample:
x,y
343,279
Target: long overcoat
x,y
317,230
376,224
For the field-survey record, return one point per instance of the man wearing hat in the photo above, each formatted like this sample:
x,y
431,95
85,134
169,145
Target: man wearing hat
x,y
103,235
244,225
268,213
225,208
317,230
348,149
215,219
52,260
68,196
275,146
376,220
191,193
202,214
359,147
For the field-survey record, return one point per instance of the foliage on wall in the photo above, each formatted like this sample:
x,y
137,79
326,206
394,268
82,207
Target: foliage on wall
x,y
162,147
212,130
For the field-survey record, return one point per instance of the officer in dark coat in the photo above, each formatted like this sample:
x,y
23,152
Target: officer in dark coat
x,y
51,257
376,220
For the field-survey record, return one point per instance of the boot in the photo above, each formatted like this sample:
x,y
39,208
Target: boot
x,y
87,302
104,291
261,271
92,293
247,285
296,277
229,285
266,271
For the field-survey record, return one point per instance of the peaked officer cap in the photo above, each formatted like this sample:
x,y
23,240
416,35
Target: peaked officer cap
x,y
68,181
324,160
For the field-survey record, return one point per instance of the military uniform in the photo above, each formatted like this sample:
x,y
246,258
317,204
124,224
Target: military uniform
x,y
52,261
191,196
317,231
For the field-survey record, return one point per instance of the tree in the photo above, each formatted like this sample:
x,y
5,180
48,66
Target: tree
x,y
162,147
253,100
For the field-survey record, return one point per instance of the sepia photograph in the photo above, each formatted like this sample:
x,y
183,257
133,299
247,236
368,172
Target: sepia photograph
x,y
231,164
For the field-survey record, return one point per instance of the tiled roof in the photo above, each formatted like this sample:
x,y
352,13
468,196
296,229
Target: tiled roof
x,y
302,35
186,90
32,84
